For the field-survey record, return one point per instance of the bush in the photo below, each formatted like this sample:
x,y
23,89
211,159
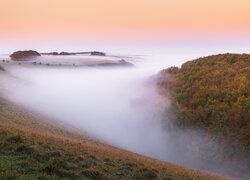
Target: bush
x,y
25,149
15,139
144,173
93,174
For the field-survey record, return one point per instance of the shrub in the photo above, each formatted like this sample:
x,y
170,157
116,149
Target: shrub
x,y
25,149
15,139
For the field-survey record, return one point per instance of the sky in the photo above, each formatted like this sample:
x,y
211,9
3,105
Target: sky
x,y
50,23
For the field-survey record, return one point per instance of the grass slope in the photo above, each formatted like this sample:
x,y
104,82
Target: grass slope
x,y
33,148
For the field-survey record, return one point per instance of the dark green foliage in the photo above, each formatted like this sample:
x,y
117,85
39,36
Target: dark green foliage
x,y
25,149
15,139
7,174
144,173
93,174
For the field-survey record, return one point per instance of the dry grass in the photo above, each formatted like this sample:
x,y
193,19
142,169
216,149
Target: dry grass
x,y
34,148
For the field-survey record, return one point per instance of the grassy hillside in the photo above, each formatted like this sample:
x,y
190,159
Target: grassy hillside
x,y
32,148
211,94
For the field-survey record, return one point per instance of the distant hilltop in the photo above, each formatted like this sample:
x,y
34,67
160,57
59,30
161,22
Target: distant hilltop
x,y
118,63
30,54
24,55
92,53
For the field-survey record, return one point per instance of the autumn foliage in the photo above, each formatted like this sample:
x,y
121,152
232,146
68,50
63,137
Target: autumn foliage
x,y
24,55
212,94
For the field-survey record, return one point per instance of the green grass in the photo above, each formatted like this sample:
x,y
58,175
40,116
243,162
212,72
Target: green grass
x,y
23,157
32,148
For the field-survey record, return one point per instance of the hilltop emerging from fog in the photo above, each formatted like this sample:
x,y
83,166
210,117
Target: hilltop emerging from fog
x,y
90,59
92,53
24,55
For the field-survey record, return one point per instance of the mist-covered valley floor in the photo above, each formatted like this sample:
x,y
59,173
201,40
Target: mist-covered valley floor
x,y
118,106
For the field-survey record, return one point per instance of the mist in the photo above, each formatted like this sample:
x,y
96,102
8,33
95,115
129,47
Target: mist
x,y
119,106
110,104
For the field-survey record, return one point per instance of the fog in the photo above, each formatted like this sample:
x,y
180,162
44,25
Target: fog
x,y
112,104
119,106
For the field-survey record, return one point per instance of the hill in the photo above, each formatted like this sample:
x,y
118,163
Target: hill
x,y
24,55
34,147
211,95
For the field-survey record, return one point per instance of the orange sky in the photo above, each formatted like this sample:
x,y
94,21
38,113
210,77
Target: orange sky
x,y
59,19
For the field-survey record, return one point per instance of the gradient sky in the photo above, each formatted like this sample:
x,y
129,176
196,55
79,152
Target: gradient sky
x,y
124,20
